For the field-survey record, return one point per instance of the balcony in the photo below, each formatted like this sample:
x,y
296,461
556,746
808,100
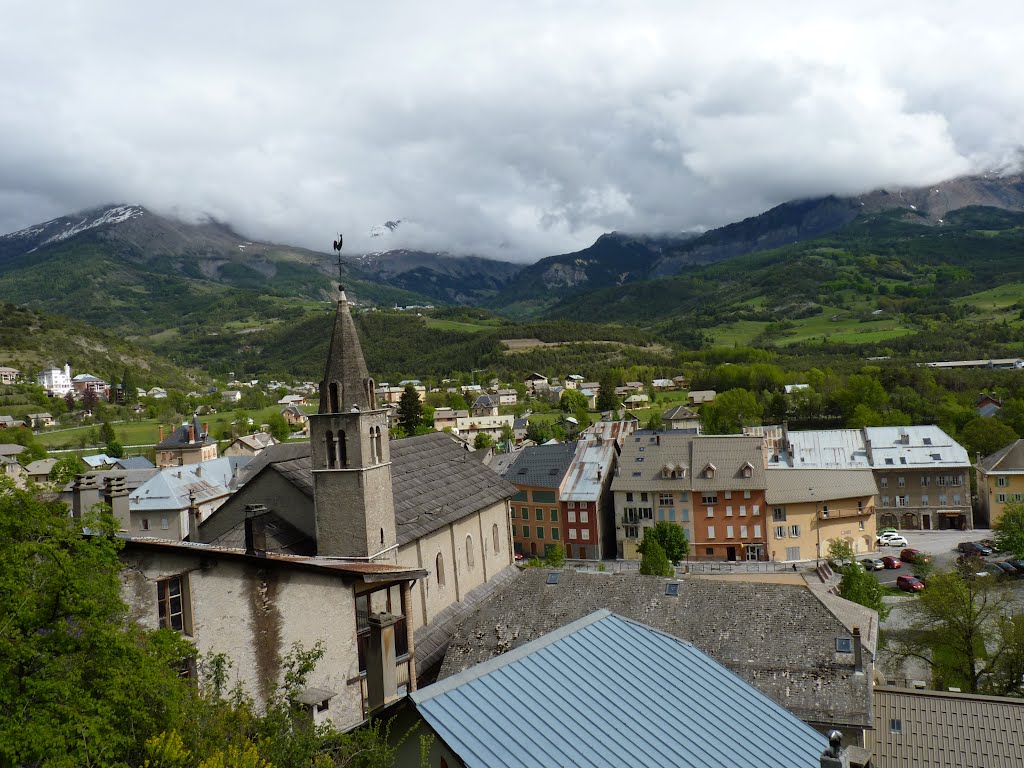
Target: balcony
x,y
841,512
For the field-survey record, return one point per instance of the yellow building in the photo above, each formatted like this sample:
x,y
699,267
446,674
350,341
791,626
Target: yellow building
x,y
808,508
1000,480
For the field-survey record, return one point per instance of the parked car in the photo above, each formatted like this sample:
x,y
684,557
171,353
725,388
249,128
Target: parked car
x,y
1018,565
974,548
891,562
519,557
871,564
893,540
909,583
887,534
990,543
1007,569
882,531
994,569
913,556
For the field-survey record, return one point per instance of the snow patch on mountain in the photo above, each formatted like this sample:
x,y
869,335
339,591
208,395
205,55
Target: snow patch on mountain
x,y
115,215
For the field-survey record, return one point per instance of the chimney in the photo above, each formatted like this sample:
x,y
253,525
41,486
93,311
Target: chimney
x,y
85,494
115,493
599,474
191,433
255,536
206,428
381,670
161,438
834,755
657,439
199,470
858,652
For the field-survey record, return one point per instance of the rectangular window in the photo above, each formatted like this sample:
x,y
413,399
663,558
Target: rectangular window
x,y
711,531
780,531
792,553
711,511
513,513
173,604
571,514
746,494
1001,498
554,515
539,514
901,482
629,497
584,516
513,531
743,510
665,499
540,532
895,726
709,499
728,494
757,510
632,532
924,499
572,533
572,505
901,501
728,510
684,515
743,531
672,515
164,524
794,531
956,499
643,496
661,514
145,524
779,515
1001,482
554,534
585,534
885,501
757,531
728,532
526,531
860,524
942,499
926,480
883,482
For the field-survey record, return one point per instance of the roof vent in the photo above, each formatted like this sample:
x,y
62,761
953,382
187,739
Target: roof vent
x,y
553,578
672,589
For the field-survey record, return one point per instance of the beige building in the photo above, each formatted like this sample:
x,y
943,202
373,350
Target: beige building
x,y
188,444
1000,481
809,508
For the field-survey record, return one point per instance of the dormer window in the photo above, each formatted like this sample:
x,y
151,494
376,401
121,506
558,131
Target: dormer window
x,y
747,470
709,471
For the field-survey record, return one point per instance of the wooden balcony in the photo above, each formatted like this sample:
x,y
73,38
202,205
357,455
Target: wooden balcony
x,y
835,513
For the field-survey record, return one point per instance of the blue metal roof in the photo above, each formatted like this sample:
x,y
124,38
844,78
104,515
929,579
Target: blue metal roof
x,y
607,691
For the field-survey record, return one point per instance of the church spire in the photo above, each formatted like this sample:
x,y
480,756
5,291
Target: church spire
x,y
347,384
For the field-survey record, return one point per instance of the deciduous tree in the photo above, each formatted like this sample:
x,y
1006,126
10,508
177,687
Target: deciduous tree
x,y
654,561
670,537
861,587
1009,529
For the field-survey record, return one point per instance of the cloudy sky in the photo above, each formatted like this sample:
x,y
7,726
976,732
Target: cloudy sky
x,y
513,130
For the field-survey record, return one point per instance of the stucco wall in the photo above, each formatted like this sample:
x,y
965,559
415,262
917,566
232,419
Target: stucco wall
x,y
254,614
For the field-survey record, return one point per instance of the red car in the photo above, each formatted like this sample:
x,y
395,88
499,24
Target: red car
x,y
891,562
909,584
912,555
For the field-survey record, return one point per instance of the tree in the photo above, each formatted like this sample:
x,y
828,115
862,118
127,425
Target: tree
x,y
554,555
410,410
79,682
89,399
957,628
986,435
840,551
654,561
114,449
539,431
670,537
655,422
69,401
861,587
483,441
279,427
129,387
107,434
730,412
64,471
1009,529
457,402
607,400
572,400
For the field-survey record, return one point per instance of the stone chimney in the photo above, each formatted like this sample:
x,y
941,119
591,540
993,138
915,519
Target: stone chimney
x,y
858,652
85,494
834,755
206,428
115,493
255,536
160,439
191,433
381,669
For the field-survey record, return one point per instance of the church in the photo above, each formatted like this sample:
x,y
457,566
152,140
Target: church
x,y
352,494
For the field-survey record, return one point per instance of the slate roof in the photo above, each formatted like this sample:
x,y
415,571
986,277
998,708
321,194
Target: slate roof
x,y
281,537
541,466
939,729
11,449
40,466
134,462
435,482
780,638
789,486
679,413
648,455
179,438
729,454
170,487
1007,459
591,687
346,366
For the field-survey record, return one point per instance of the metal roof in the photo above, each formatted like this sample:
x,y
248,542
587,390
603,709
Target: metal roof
x,y
920,446
824,448
589,471
169,489
592,684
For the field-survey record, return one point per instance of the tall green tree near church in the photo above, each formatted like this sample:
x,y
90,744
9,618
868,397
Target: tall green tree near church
x,y
410,410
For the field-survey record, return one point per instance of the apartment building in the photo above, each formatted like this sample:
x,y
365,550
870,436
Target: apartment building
x,y
588,512
535,510
728,498
1000,481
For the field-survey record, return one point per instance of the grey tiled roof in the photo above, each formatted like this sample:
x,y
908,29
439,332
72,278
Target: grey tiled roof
x,y
435,481
679,412
780,638
1008,459
281,537
947,730
788,486
729,455
541,466
648,454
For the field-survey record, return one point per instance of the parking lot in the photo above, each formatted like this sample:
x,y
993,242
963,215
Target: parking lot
x,y
940,545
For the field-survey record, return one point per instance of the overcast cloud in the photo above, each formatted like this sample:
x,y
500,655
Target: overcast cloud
x,y
513,130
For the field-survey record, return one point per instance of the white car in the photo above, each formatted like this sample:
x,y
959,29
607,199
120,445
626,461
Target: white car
x,y
893,540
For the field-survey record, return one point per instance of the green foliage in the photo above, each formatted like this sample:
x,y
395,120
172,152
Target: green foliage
x,y
654,561
670,537
572,401
730,412
607,400
1009,529
410,410
554,555
840,551
861,587
279,427
64,471
483,441
23,436
986,435
114,449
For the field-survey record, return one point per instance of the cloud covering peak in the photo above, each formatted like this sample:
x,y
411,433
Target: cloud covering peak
x,y
513,131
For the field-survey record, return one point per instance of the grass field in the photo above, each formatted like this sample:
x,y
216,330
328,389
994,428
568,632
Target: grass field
x,y
997,304
847,328
453,325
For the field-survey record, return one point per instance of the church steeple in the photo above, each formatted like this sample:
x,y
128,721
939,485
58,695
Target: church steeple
x,y
347,384
350,455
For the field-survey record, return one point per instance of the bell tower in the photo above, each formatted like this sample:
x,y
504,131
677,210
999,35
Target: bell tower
x,y
352,492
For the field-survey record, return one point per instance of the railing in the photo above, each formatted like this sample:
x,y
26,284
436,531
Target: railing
x,y
832,514
740,566
401,678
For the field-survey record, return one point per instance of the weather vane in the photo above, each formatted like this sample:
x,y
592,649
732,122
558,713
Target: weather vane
x,y
337,247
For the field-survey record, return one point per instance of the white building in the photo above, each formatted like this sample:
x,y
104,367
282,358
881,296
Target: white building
x,y
56,381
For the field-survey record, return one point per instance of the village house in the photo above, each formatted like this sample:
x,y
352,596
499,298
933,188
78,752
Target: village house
x,y
447,418
292,400
157,393
537,474
484,405
588,513
536,383
56,381
661,385
231,395
418,503
468,427
701,396
38,471
9,422
1000,481
507,397
41,420
85,382
680,382
573,381
986,405
9,375
188,444
392,395
250,445
682,418
12,470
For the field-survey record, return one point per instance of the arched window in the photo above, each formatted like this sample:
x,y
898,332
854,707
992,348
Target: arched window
x,y
439,569
494,538
332,457
469,552
373,446
334,397
378,444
